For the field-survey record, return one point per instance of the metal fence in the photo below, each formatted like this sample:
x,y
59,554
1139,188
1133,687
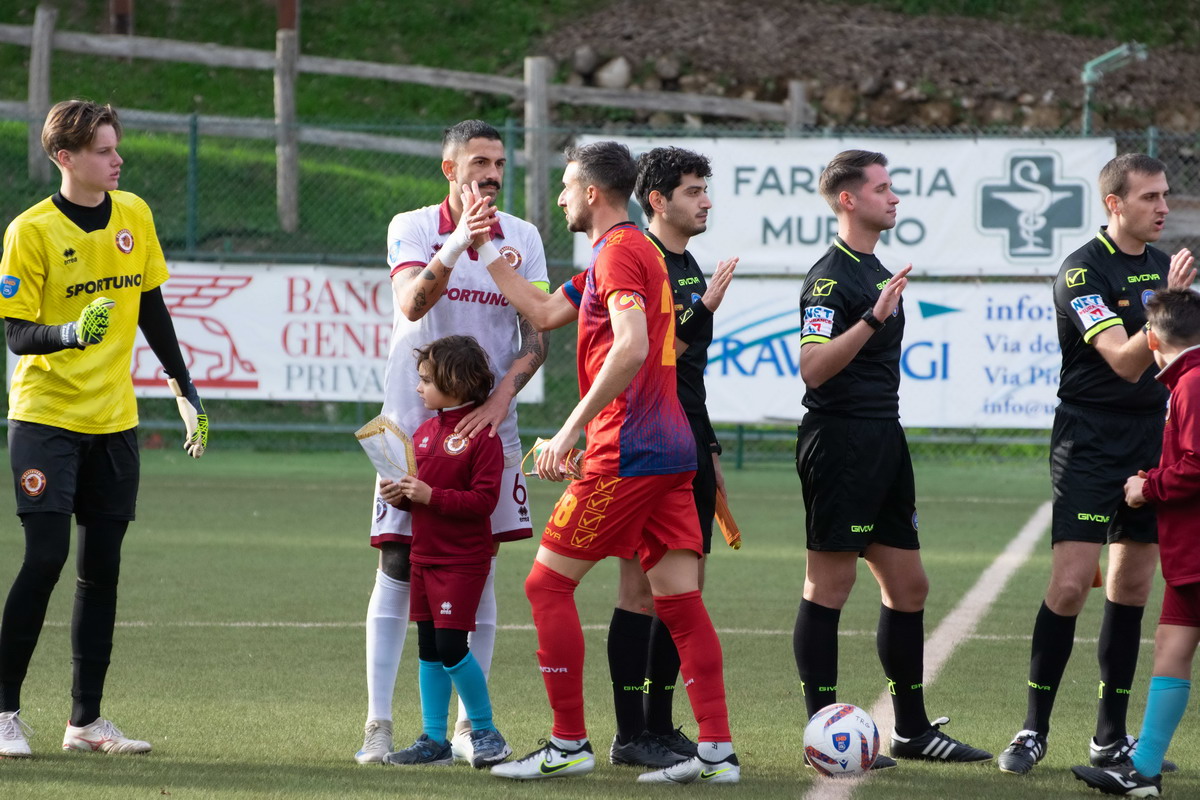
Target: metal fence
x,y
213,196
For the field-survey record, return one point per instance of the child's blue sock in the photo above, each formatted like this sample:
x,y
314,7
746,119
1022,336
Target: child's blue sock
x,y
435,699
471,685
1165,705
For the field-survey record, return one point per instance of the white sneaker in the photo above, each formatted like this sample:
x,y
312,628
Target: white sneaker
x,y
550,761
102,735
460,744
14,732
377,742
696,769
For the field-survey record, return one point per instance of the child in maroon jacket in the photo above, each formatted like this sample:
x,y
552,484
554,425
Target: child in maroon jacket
x,y
1173,488
451,503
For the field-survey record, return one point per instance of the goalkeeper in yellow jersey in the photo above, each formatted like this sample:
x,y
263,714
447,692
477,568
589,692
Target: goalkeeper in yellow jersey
x,y
80,273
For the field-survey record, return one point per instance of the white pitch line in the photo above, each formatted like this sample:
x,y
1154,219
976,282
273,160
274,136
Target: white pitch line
x,y
956,626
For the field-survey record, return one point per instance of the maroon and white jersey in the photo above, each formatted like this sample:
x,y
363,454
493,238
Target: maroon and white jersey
x,y
470,306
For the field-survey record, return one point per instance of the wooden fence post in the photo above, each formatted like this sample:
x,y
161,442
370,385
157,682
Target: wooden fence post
x,y
537,141
41,53
287,151
799,111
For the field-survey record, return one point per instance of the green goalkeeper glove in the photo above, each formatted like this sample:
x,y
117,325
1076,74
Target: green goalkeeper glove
x,y
194,418
91,326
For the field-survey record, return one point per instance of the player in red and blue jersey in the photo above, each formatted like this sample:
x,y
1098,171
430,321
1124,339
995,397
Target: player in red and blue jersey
x,y
635,496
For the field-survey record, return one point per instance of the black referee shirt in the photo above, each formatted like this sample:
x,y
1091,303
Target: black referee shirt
x,y
693,325
1099,287
838,289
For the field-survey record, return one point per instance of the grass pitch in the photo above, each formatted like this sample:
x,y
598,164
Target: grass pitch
x,y
240,647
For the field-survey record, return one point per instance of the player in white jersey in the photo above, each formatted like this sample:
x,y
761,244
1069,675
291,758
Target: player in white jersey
x,y
432,300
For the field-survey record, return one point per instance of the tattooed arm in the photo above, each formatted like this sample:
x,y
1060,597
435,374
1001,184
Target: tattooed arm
x,y
532,354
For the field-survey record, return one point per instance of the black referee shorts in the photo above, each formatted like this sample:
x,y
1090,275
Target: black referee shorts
x,y
704,486
857,479
60,471
1091,454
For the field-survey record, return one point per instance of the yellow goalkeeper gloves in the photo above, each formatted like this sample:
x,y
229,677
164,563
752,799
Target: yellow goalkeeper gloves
x,y
194,418
91,326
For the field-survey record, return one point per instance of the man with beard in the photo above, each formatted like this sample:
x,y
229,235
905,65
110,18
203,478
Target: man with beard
x,y
432,300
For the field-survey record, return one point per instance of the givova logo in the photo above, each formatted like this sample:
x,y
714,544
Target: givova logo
x,y
1032,204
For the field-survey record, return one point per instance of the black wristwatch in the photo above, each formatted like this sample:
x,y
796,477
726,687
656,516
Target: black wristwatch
x,y
869,318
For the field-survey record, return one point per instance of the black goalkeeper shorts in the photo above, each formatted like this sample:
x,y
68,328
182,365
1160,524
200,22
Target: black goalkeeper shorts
x,y
60,471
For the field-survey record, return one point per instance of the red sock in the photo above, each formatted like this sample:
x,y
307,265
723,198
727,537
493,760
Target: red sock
x,y
701,666
560,647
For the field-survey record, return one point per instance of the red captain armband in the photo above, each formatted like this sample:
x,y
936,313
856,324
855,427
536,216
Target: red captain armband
x,y
622,301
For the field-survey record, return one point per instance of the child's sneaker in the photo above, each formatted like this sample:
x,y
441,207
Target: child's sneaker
x,y
103,736
14,733
424,752
488,748
377,742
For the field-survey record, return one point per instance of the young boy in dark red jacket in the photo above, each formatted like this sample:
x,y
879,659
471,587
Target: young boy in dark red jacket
x,y
1173,488
451,503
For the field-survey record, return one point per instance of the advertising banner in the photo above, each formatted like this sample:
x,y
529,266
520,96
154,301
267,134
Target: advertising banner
x,y
968,207
975,355
266,332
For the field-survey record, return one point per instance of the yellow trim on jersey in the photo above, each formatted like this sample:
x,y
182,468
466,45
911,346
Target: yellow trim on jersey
x,y
837,242
1112,251
49,271
815,337
1100,326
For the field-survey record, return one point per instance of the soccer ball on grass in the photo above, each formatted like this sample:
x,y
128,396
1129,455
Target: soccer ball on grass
x,y
841,739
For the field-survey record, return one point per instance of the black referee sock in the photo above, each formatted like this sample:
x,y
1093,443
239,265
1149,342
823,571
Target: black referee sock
x,y
900,642
815,644
1120,639
662,673
1053,638
628,651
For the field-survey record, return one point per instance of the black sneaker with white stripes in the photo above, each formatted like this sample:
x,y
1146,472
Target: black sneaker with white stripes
x,y
933,745
1119,752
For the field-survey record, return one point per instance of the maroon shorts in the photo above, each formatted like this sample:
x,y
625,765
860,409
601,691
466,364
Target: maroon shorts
x,y
448,595
1181,606
604,515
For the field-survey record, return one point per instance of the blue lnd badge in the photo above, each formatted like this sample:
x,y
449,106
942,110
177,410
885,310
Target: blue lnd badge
x,y
9,286
1146,295
841,742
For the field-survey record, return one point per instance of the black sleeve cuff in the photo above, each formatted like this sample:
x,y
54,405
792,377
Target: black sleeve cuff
x,y
690,322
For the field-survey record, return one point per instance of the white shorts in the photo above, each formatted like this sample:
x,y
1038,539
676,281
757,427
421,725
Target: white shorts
x,y
510,520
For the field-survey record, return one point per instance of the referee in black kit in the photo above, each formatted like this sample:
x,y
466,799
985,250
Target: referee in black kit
x,y
854,465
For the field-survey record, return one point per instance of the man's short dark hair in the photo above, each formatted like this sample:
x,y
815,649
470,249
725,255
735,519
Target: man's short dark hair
x,y
71,125
847,171
662,170
1174,315
458,367
1114,176
457,136
608,166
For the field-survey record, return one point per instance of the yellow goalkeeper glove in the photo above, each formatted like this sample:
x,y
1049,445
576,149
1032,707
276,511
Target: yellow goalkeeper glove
x,y
194,418
91,325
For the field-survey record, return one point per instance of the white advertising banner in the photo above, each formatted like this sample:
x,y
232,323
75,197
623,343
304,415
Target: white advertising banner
x,y
975,355
267,332
1013,207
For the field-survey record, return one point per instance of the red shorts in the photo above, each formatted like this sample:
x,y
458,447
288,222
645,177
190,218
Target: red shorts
x,y
1181,606
448,595
604,515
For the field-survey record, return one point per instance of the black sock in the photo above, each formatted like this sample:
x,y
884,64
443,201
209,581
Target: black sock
x,y
815,644
900,642
1120,639
47,541
662,672
95,614
628,651
1053,638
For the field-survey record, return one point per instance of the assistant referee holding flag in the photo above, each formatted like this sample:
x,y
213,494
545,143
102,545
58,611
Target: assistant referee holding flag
x,y
80,274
